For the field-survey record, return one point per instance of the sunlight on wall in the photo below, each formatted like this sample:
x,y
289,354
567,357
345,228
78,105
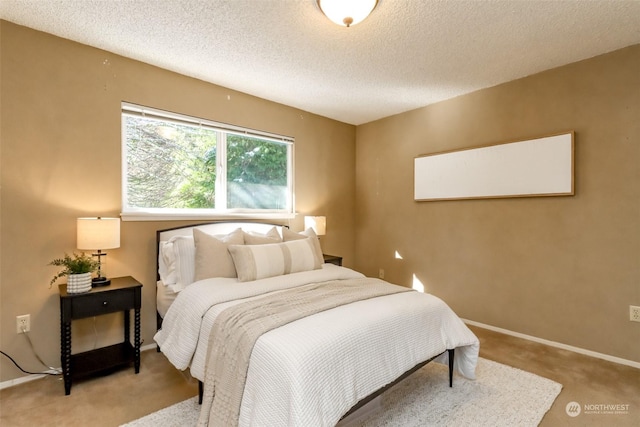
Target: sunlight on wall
x,y
417,284
398,256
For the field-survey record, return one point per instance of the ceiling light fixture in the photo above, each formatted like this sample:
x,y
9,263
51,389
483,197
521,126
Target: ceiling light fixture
x,y
347,12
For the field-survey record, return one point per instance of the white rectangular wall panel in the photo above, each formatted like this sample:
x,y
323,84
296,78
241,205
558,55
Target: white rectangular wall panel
x,y
536,167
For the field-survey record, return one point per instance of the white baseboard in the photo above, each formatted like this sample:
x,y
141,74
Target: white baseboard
x,y
21,380
148,347
603,356
33,377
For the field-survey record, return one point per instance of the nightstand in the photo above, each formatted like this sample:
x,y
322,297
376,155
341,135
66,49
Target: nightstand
x,y
123,294
332,259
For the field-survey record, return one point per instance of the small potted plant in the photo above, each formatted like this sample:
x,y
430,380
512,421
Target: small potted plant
x,y
78,270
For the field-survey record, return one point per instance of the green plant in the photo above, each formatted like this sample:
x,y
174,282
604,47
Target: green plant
x,y
78,264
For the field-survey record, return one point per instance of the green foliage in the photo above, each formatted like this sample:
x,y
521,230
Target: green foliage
x,y
78,264
174,165
256,173
166,164
256,161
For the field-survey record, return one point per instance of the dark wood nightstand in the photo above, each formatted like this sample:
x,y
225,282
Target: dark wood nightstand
x,y
332,259
123,294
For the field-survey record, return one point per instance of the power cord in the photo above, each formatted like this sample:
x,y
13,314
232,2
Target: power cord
x,y
57,371
52,370
28,372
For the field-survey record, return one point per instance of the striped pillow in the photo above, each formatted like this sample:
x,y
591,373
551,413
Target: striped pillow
x,y
255,262
184,252
288,235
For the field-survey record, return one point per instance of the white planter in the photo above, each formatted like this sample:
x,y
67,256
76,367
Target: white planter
x,y
78,283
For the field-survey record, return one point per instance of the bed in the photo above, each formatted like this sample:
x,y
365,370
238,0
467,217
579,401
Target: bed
x,y
312,368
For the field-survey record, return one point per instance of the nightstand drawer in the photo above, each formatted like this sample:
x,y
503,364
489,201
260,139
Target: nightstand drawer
x,y
102,303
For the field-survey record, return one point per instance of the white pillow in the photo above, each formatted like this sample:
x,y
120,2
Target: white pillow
x,y
167,263
184,252
255,238
255,262
288,235
212,258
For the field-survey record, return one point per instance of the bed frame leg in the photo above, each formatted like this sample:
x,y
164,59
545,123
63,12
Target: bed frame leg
x,y
158,327
200,392
451,353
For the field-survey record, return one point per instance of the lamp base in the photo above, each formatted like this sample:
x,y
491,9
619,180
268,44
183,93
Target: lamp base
x,y
100,281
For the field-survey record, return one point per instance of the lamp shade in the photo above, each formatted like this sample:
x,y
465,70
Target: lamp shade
x,y
318,223
98,233
347,12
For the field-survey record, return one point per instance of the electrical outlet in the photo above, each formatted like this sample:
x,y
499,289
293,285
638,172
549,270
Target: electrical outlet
x,y
634,313
381,273
23,323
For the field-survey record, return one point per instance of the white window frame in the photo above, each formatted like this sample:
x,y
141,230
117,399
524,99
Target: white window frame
x,y
220,212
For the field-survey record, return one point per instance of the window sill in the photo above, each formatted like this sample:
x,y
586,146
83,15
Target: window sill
x,y
196,216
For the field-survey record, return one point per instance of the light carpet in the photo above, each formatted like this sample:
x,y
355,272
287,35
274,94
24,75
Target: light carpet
x,y
500,396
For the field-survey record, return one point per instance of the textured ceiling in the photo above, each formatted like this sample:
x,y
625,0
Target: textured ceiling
x,y
407,54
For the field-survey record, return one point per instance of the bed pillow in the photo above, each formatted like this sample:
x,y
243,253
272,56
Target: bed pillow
x,y
212,258
183,260
255,262
288,235
255,238
167,263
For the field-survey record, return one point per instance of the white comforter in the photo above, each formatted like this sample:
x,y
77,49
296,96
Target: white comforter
x,y
312,371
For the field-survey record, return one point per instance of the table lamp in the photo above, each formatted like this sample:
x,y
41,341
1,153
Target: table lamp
x,y
318,223
98,234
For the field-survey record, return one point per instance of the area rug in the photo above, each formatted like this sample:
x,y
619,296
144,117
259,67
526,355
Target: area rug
x,y
500,396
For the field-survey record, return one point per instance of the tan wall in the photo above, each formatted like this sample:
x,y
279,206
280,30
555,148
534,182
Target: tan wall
x,y
564,269
60,133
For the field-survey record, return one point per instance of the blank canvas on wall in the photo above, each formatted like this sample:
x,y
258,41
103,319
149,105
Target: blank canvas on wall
x,y
536,167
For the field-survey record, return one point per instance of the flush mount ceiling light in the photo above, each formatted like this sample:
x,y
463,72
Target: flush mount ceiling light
x,y
347,12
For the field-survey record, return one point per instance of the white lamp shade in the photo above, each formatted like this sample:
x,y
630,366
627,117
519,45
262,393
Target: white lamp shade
x,y
347,12
318,223
98,233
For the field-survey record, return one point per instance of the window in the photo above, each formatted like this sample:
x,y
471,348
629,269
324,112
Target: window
x,y
180,167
